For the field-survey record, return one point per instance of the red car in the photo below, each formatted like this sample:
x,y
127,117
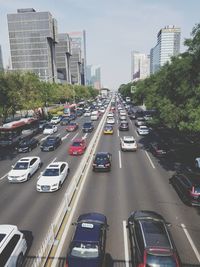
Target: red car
x,y
78,147
72,126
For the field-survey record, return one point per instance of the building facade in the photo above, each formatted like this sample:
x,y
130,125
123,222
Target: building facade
x,y
1,60
63,54
168,45
78,60
140,66
32,37
94,76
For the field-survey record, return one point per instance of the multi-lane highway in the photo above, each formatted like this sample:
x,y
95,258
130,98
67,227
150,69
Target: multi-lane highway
x,y
137,181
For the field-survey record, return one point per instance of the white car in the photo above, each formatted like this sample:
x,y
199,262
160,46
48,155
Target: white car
x,y
87,114
110,120
24,169
13,246
128,143
143,130
50,129
102,110
55,120
122,117
94,115
122,112
53,177
110,115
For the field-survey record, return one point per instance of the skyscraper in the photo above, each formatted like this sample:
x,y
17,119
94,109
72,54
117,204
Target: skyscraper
x,y
63,54
1,60
32,37
168,45
78,59
140,66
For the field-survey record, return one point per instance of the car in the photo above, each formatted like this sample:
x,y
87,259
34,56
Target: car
x,y
94,115
128,143
87,114
122,117
140,121
23,169
72,126
122,112
132,116
72,116
42,124
102,110
64,121
151,240
77,147
110,115
53,177
102,161
108,129
124,126
27,144
87,247
50,129
13,246
55,120
142,130
158,149
88,127
187,184
79,112
110,120
50,143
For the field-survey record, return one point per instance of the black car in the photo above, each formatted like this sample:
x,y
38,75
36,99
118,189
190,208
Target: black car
x,y
158,149
187,185
50,143
124,126
27,145
88,127
79,112
102,161
151,241
42,125
87,248
65,121
132,116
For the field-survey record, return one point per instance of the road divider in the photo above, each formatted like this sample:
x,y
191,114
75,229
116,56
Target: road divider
x,y
126,251
62,219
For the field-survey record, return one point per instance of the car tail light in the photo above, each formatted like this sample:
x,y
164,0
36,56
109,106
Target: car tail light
x,y
193,193
67,265
107,164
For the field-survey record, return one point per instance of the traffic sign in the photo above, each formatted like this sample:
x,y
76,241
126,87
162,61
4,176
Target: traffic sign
x,y
133,89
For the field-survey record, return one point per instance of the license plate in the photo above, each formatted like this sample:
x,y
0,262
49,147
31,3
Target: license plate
x,y
75,153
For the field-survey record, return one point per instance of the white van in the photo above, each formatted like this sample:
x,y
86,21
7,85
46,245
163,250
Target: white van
x,y
13,246
94,115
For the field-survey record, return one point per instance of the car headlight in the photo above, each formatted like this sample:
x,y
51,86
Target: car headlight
x,y
54,185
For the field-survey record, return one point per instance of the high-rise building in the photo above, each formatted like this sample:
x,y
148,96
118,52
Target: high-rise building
x,y
94,76
78,60
32,37
1,60
63,54
140,66
168,45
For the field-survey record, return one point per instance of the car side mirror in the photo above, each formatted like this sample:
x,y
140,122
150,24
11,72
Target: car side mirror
x,y
168,224
12,166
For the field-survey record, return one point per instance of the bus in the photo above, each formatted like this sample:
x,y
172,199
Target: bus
x,y
13,132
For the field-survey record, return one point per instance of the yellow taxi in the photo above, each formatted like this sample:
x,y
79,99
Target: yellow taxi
x,y
108,129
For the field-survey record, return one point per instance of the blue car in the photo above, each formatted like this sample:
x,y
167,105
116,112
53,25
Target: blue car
x,y
87,248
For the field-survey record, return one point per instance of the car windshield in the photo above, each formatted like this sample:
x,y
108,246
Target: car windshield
x,y
77,144
160,261
129,141
48,127
85,250
51,172
50,141
101,158
197,189
87,125
72,124
21,166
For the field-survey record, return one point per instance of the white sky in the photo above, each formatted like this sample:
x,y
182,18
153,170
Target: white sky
x,y
113,27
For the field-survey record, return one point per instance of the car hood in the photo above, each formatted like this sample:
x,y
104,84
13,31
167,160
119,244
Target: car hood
x,y
48,180
75,148
48,131
17,173
76,262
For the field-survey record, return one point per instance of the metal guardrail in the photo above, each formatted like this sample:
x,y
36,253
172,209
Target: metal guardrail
x,y
44,251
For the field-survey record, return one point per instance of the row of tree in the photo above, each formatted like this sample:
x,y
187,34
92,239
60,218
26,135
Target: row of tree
x,y
174,91
24,91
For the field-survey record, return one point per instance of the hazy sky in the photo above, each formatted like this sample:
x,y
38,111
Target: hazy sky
x,y
113,27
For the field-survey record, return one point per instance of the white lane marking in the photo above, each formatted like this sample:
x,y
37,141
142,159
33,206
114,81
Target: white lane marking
x,y
4,176
117,121
118,132
153,166
126,254
53,160
58,134
74,136
191,241
136,133
45,137
65,137
85,136
120,160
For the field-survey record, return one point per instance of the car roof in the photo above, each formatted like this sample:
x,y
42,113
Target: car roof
x,y
91,231
51,137
128,138
102,153
56,164
26,159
